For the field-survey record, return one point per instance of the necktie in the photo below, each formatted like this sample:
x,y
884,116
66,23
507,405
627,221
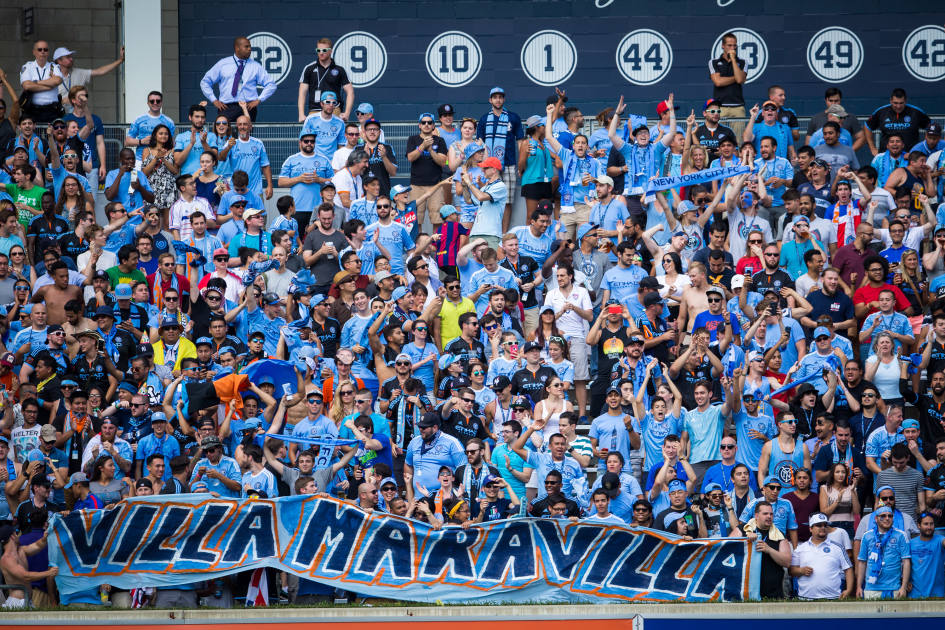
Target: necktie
x,y
238,77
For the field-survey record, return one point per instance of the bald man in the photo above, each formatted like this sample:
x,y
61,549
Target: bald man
x,y
237,78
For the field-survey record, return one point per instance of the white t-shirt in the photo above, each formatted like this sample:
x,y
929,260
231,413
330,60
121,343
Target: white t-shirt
x,y
739,226
805,284
829,561
340,158
344,182
570,324
821,229
885,203
913,239
180,215
32,72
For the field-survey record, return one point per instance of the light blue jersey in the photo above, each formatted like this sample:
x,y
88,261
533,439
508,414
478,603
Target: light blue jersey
x,y
307,196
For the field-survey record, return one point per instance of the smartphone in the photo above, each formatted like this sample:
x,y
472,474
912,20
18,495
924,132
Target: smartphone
x,y
513,347
614,309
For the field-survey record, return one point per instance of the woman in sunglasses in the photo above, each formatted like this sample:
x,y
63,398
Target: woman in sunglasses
x,y
71,200
547,328
423,354
19,265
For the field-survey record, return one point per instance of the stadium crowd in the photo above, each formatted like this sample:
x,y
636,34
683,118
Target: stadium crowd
x,y
761,355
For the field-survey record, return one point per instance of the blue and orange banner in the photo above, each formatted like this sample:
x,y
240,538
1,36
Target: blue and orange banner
x,y
166,541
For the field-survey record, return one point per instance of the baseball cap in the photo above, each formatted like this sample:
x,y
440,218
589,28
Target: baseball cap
x,y
77,477
328,95
203,341
910,423
426,115
9,359
100,274
800,219
771,480
817,518
169,321
491,162
472,149
805,388
613,389
934,129
47,433
158,416
520,402
939,228
237,199
365,108
821,331
398,293
399,188
62,51
341,276
388,481
584,230
531,345
635,338
639,128
53,328
652,298
604,179
610,483
380,276
686,206
447,209
836,110
496,90
429,419
145,349
754,355
676,485
709,103
210,441
402,355
715,289
500,382
767,103
123,291
128,387
271,298
447,360
534,121
663,107
251,212
317,299
737,282
712,486
445,110
257,333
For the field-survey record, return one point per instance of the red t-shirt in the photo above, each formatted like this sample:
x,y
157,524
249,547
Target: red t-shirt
x,y
748,261
867,294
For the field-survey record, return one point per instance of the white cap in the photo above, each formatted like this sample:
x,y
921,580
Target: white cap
x,y
738,281
62,51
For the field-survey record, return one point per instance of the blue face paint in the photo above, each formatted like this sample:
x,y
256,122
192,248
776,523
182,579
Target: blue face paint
x,y
748,199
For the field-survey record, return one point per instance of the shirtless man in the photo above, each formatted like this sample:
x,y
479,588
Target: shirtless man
x,y
74,323
14,567
693,301
56,295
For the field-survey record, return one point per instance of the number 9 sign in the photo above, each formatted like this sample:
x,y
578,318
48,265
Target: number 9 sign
x,y
362,55
272,53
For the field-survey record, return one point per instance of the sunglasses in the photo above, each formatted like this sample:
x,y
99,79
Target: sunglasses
x,y
362,401
773,487
221,122
347,393
42,50
221,258
308,141
420,329
57,128
154,101
727,447
385,206
213,298
770,109
469,400
404,363
715,299
426,122
492,327
454,287
314,400
472,451
478,373
330,102
322,50
788,422
713,111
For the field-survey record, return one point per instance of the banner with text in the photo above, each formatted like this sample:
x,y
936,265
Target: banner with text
x,y
657,184
173,540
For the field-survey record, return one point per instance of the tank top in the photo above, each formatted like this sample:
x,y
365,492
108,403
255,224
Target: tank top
x,y
538,168
844,511
783,465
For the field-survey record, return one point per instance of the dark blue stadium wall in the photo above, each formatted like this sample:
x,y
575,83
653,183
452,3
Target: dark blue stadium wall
x,y
455,51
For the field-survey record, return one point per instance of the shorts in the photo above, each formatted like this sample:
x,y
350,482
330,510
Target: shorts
x,y
537,190
579,353
533,480
510,178
868,594
467,214
13,603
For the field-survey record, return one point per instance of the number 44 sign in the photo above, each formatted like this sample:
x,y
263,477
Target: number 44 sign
x,y
644,57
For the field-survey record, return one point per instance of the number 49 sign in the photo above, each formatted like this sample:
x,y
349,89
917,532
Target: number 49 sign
x,y
644,57
835,54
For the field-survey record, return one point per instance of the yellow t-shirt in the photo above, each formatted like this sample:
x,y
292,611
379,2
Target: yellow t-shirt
x,y
449,319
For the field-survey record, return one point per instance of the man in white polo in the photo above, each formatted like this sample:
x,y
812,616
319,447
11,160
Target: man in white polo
x,y
820,564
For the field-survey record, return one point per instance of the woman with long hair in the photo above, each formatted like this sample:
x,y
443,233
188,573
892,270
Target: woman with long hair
x,y
552,406
157,164
342,403
423,353
467,137
838,499
558,361
673,281
71,200
536,166
883,368
103,483
547,328
223,130
19,265
469,166
599,144
913,282
210,185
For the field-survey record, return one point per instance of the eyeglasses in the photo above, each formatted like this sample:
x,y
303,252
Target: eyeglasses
x,y
67,156
727,447
383,206
713,299
322,50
